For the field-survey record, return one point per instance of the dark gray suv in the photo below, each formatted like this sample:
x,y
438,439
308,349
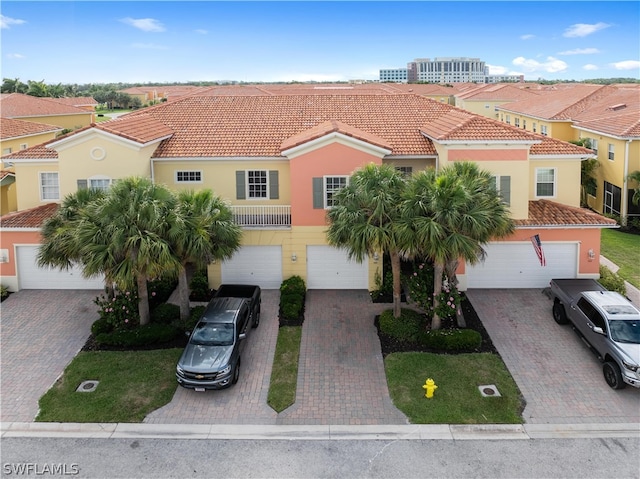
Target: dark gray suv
x,y
211,359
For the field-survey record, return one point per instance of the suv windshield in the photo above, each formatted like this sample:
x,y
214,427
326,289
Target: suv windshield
x,y
213,334
625,331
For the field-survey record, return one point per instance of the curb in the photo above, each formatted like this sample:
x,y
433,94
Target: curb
x,y
451,432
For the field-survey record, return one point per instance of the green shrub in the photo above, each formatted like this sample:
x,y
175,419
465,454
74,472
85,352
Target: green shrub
x,y
612,281
142,336
4,293
165,313
100,326
291,305
405,328
160,290
194,317
199,286
451,339
121,311
293,285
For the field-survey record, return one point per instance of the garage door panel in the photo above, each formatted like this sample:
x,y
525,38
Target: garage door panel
x,y
31,276
261,265
517,266
331,268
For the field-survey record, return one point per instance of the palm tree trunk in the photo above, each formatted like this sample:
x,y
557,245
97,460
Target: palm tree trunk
x,y
143,299
183,293
450,270
397,286
438,269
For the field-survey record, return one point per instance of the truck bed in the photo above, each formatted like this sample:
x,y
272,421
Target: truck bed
x,y
573,287
237,291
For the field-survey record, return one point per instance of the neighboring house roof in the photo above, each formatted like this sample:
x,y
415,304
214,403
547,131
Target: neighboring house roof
x,y
78,101
31,218
498,92
560,104
616,114
7,177
11,128
545,213
17,105
264,126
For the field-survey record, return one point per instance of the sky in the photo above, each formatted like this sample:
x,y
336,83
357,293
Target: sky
x,y
258,41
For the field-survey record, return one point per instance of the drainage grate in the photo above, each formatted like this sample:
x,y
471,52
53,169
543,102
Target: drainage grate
x,y
489,390
87,386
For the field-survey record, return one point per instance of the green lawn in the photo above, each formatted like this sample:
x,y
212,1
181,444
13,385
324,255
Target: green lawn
x,y
131,385
624,250
284,375
457,400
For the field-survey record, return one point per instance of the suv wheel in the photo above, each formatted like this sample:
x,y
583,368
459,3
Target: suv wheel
x,y
236,372
256,319
559,314
612,375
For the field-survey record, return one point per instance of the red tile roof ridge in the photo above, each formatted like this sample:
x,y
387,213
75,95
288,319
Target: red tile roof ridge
x,y
30,218
332,126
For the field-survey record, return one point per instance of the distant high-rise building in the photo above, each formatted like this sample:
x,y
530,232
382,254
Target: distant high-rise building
x,y
445,70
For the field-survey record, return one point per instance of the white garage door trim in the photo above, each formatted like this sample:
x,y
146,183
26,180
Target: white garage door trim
x,y
31,276
330,268
516,265
261,265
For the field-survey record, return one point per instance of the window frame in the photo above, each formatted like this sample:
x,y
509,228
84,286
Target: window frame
x,y
611,152
188,173
325,190
553,183
250,186
543,130
42,186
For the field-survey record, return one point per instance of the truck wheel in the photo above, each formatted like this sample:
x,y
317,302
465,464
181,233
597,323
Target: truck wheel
x,y
236,372
559,314
612,375
256,319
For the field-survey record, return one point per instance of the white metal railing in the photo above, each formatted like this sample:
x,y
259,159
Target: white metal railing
x,y
262,216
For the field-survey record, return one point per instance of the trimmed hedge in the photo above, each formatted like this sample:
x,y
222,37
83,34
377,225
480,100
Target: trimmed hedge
x,y
451,339
165,313
142,336
406,327
292,295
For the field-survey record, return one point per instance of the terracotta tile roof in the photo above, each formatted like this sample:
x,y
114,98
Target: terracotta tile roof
x,y
17,105
10,128
6,173
38,152
498,92
141,129
459,124
549,213
31,218
552,147
332,126
559,104
224,126
617,114
77,101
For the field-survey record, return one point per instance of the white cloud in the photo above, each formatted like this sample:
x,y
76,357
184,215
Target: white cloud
x,y
202,31
6,22
626,65
584,29
527,36
552,65
144,24
590,67
497,70
580,51
17,56
148,46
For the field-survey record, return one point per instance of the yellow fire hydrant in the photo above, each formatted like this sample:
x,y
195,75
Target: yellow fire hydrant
x,y
429,387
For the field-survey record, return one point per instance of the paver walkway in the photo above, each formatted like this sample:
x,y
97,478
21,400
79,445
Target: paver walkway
x,y
41,332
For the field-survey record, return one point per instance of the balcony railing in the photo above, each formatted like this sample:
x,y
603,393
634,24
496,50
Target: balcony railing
x,y
277,216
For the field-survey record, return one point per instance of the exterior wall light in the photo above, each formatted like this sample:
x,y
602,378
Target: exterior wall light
x,y
591,254
294,257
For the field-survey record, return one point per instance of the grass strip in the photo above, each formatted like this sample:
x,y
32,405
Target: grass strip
x,y
284,374
622,249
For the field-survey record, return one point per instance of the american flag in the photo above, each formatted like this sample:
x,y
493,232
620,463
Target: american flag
x,y
535,240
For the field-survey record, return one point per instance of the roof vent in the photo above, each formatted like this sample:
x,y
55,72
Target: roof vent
x,y
617,107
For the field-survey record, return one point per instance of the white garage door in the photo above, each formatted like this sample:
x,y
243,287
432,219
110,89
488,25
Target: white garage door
x,y
517,266
31,276
330,268
261,265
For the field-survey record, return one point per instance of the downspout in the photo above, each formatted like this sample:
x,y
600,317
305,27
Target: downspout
x,y
624,207
152,172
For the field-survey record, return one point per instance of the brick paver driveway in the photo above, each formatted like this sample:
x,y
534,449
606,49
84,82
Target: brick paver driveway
x,y
559,377
41,332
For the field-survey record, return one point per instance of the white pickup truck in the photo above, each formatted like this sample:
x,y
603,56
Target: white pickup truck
x,y
607,321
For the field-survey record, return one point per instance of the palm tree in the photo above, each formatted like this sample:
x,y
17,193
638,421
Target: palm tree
x,y
364,218
202,229
451,214
587,180
128,231
60,247
635,176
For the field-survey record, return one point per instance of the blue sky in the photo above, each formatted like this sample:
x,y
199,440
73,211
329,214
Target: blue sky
x,y
167,41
